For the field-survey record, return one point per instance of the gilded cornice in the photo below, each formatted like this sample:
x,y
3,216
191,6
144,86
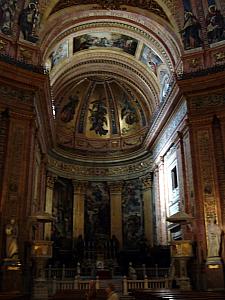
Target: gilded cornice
x,y
107,172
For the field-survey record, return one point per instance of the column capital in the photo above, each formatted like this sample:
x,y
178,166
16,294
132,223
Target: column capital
x,y
115,186
79,186
147,181
50,180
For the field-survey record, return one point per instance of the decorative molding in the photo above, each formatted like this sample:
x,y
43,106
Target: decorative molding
x,y
112,26
194,62
115,187
206,175
206,101
11,93
219,57
16,170
147,181
201,72
170,129
3,45
79,70
50,181
22,64
82,172
151,6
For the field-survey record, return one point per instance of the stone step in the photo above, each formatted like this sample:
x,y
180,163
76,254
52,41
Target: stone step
x,y
127,297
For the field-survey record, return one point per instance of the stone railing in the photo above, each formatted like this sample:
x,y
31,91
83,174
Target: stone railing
x,y
159,283
128,285
70,273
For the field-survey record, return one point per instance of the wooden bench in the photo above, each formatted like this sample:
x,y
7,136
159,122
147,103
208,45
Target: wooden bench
x,y
177,295
77,295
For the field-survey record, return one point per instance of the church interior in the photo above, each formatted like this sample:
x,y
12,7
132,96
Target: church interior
x,y
112,147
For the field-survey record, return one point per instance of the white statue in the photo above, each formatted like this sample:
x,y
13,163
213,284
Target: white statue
x,y
11,231
214,239
132,272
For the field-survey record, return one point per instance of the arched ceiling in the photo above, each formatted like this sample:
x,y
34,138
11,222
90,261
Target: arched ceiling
x,y
110,65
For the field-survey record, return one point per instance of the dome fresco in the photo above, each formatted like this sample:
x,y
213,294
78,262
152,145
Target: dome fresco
x,y
106,84
101,109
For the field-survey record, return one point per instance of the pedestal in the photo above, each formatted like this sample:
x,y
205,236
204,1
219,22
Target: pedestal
x,y
40,289
181,252
41,251
40,284
214,273
11,276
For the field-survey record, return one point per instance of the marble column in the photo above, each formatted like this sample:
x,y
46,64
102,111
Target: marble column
x,y
147,197
116,210
78,208
163,225
50,181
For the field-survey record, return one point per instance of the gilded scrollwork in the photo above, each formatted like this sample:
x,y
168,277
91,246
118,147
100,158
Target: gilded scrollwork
x,y
77,170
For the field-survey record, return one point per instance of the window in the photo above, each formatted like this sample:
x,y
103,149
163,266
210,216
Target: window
x,y
174,178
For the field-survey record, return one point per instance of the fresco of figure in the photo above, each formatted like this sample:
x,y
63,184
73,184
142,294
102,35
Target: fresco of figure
x,y
215,25
68,111
128,113
28,21
97,118
190,31
7,12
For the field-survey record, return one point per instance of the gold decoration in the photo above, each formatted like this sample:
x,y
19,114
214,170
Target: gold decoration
x,y
219,56
181,249
2,45
194,62
25,53
147,181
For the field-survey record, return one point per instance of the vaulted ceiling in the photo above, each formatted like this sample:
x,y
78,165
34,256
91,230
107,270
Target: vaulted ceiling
x,y
110,64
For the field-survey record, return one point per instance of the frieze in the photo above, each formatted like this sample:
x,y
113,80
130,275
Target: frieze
x,y
194,62
24,96
219,57
206,101
72,170
170,129
25,54
149,5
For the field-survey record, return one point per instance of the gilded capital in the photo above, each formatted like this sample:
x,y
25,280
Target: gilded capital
x,y
115,187
147,181
50,180
79,186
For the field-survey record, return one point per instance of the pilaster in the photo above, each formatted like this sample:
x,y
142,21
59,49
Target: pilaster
x,y
50,181
148,211
78,208
116,209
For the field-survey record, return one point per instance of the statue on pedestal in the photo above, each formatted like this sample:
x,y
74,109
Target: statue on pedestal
x,y
214,239
11,230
